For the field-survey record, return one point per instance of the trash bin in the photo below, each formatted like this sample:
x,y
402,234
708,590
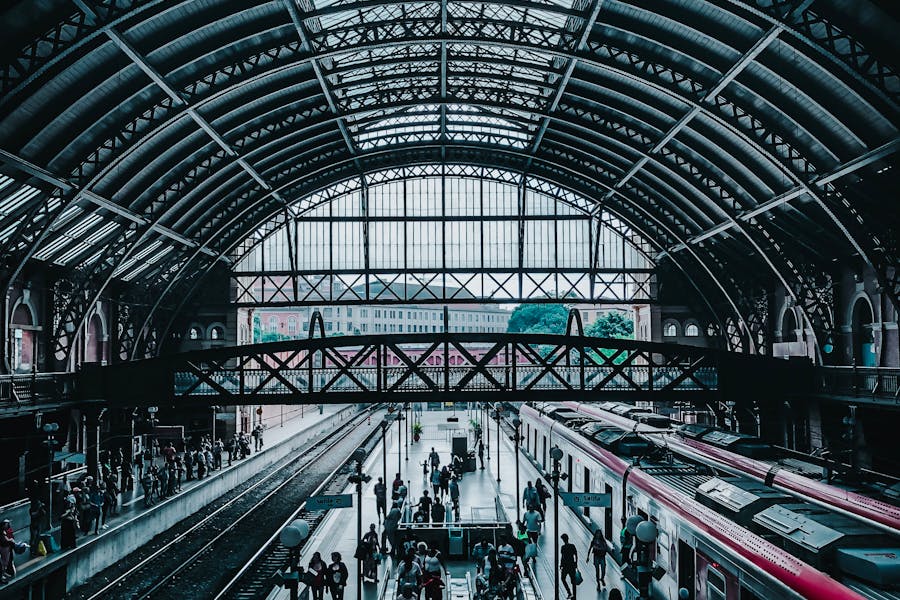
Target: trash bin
x,y
456,547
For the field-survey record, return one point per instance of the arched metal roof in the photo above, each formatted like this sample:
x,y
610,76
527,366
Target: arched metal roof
x,y
752,143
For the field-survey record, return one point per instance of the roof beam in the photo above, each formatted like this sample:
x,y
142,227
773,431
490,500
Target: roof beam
x,y
851,166
567,75
443,130
300,28
94,198
710,95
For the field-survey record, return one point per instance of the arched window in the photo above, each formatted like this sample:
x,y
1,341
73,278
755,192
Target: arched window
x,y
863,334
292,325
691,330
670,329
273,323
216,333
194,333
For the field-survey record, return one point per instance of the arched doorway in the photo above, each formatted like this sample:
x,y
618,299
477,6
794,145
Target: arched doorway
x,y
789,326
94,350
23,339
863,334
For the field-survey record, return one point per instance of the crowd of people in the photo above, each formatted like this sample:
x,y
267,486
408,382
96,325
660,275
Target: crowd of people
x,y
83,505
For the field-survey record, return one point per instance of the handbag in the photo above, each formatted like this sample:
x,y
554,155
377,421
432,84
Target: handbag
x,y
578,577
41,549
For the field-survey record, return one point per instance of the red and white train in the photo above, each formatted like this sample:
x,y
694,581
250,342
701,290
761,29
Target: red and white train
x,y
751,457
720,536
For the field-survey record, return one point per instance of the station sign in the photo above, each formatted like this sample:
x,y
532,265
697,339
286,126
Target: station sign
x,y
326,502
577,500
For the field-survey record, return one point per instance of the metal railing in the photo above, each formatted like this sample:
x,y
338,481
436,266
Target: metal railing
x,y
876,382
31,388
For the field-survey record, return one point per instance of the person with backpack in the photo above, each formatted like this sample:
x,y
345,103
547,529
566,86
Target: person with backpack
x,y
597,551
530,497
337,576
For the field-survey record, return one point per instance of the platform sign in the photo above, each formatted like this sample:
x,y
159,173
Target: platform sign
x,y
577,500
326,502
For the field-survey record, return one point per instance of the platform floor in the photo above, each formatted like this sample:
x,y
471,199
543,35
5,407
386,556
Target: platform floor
x,y
478,490
131,504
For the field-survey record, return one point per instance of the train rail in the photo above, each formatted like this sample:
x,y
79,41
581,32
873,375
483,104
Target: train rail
x,y
198,561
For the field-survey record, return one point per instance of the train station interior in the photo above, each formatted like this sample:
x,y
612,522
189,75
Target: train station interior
x,y
450,299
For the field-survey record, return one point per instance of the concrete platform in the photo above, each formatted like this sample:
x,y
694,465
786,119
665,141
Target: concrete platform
x,y
135,525
479,491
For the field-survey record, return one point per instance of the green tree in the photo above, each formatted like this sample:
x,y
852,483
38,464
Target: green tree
x,y
611,325
538,318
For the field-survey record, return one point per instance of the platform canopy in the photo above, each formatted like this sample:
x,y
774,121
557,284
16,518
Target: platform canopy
x,y
751,144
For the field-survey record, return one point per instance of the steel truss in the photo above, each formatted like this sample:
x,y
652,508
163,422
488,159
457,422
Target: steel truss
x,y
365,368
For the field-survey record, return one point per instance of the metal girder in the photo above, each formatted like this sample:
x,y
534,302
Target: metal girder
x,y
570,68
299,26
842,170
353,366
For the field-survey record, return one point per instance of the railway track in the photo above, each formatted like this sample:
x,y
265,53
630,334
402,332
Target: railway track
x,y
199,561
254,579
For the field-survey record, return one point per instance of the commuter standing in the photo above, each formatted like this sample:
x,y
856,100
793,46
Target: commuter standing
x,y
337,577
37,513
391,524
189,464
380,498
454,495
598,550
568,565
257,438
68,524
96,499
445,482
395,486
481,453
317,568
424,506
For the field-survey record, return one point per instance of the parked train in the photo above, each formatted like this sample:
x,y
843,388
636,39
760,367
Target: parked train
x,y
747,455
719,537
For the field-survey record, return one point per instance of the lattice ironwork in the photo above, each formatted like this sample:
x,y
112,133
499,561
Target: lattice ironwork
x,y
362,368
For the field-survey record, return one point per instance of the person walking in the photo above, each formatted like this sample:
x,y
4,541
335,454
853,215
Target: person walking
x,y
257,438
395,485
380,498
317,568
434,459
543,496
454,496
7,549
568,565
337,576
409,574
532,519
597,551
480,552
424,506
436,483
530,497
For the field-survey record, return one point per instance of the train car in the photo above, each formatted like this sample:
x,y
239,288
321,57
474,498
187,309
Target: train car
x,y
698,548
747,455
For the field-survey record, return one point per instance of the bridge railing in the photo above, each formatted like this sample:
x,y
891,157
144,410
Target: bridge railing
x,y
35,388
877,382
394,379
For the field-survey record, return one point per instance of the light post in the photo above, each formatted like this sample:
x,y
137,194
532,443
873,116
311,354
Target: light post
x,y
517,422
359,455
408,427
556,455
497,417
291,537
50,429
215,409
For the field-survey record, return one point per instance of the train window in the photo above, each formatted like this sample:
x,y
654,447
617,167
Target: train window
x,y
747,594
571,479
608,516
587,488
715,584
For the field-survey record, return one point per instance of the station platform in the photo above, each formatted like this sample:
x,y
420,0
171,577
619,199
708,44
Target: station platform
x,y
136,524
480,493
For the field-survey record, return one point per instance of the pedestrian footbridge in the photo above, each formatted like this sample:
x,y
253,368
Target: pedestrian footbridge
x,y
431,366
